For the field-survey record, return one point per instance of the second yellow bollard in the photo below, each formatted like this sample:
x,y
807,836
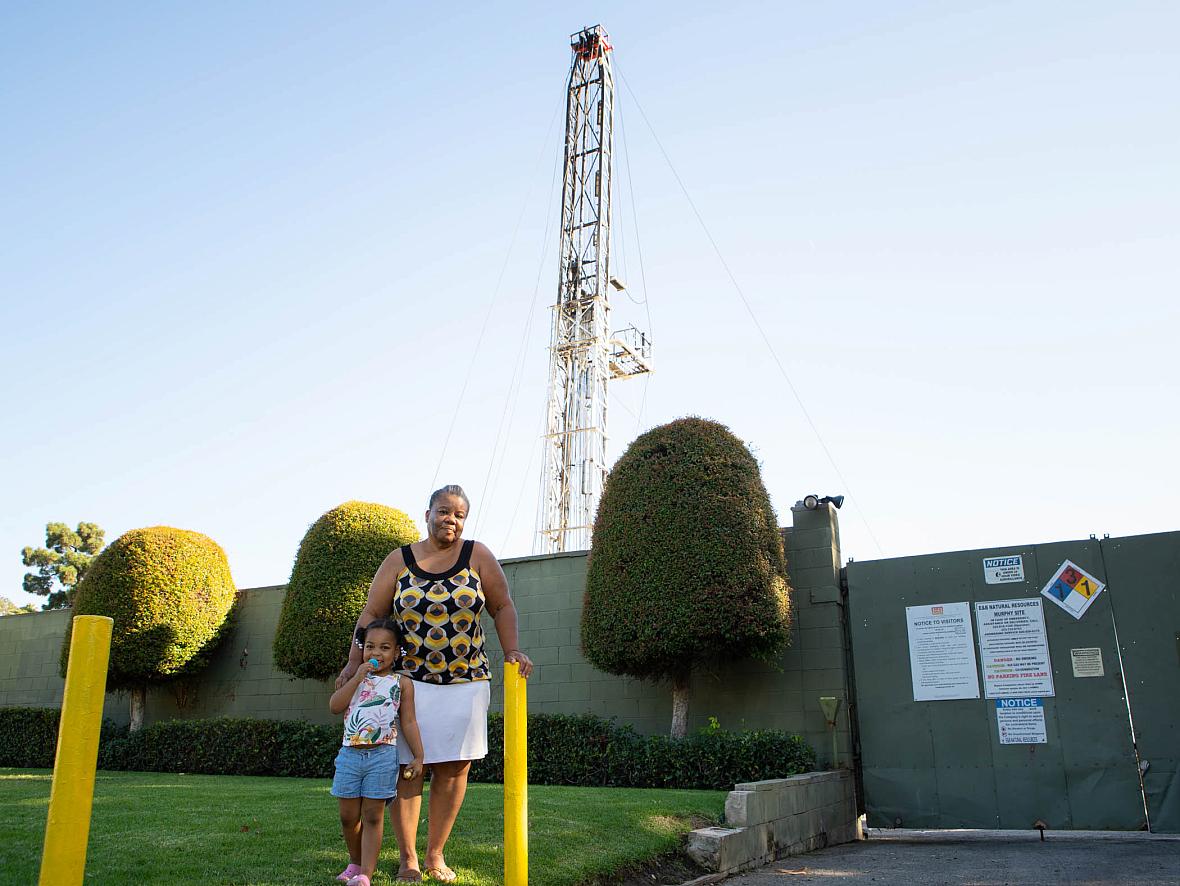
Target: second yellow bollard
x,y
516,791
63,858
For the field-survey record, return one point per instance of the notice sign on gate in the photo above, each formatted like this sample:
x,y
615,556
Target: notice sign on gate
x,y
1073,589
942,656
1021,720
1013,648
1001,570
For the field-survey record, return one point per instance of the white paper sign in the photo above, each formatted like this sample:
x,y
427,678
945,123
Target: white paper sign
x,y
1013,648
1073,589
1021,720
1001,570
942,654
1087,661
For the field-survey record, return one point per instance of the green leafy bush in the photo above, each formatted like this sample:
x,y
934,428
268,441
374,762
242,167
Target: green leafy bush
x,y
591,751
687,562
563,749
28,736
169,591
226,746
336,562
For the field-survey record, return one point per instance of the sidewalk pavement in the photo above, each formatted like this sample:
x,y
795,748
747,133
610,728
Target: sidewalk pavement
x,y
982,858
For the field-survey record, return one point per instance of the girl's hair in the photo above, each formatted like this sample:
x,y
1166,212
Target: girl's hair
x,y
385,624
454,490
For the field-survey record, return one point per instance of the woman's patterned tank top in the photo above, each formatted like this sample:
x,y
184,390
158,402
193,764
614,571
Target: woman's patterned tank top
x,y
439,614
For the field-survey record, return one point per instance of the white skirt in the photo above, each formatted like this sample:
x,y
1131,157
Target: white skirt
x,y
453,720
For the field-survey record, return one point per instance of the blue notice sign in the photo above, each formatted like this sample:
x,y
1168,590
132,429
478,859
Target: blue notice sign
x,y
1021,720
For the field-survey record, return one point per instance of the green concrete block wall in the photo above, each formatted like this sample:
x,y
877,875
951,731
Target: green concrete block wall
x,y
30,650
242,682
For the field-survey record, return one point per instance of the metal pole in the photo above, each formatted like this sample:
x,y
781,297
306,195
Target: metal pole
x,y
516,788
63,858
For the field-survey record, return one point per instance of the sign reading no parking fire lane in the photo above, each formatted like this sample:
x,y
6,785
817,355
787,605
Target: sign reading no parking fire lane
x,y
1013,648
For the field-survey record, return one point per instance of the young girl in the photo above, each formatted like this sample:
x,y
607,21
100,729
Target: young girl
x,y
378,703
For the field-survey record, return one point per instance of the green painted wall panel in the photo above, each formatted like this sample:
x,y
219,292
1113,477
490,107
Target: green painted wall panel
x,y
1084,777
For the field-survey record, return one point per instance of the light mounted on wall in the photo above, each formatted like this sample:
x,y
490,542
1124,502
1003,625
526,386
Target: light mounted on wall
x,y
811,502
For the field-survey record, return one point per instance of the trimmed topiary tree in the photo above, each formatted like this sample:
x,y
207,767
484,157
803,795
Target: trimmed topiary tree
x,y
170,593
686,563
329,583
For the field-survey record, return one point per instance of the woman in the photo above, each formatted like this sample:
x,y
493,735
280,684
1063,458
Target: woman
x,y
437,588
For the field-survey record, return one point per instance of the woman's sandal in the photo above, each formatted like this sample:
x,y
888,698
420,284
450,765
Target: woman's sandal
x,y
443,874
408,877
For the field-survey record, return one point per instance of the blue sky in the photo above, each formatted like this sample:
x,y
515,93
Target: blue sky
x,y
254,258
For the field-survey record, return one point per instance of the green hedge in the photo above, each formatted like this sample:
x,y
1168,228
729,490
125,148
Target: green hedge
x,y
563,749
170,593
687,563
590,751
28,736
337,560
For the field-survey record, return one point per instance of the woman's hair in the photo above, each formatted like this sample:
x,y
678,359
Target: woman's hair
x,y
385,624
454,490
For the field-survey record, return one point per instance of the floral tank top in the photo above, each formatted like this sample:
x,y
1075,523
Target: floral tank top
x,y
372,717
439,614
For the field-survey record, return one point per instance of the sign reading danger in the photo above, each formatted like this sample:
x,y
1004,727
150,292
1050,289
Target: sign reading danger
x,y
1073,589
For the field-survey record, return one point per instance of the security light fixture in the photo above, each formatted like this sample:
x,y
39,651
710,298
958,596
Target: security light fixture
x,y
811,502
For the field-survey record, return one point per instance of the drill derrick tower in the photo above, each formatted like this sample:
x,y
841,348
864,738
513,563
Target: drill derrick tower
x,y
583,354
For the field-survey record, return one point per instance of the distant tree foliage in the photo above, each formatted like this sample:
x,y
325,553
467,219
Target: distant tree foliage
x,y
62,562
170,593
337,560
7,607
687,562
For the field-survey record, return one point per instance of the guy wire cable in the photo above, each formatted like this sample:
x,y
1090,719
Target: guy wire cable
x,y
749,309
487,317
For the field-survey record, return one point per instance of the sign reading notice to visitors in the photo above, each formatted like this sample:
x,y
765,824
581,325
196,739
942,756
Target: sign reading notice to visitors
x,y
1087,661
1021,720
1001,570
1013,648
942,655
1073,589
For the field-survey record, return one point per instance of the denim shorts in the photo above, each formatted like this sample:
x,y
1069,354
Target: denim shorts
x,y
366,772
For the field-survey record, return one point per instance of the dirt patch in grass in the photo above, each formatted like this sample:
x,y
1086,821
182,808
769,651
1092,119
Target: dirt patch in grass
x,y
670,869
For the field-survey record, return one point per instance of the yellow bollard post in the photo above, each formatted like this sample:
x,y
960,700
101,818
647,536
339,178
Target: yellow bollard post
x,y
63,858
516,789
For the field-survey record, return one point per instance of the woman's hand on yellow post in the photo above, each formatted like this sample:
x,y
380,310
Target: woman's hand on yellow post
x,y
523,662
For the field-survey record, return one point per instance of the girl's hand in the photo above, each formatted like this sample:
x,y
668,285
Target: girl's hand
x,y
413,769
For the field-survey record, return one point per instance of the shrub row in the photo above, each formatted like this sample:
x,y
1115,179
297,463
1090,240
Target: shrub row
x,y
563,749
591,751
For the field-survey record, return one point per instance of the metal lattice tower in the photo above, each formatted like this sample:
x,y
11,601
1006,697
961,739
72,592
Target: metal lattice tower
x,y
583,353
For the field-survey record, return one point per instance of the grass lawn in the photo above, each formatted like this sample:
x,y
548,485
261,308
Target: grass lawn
x,y
150,827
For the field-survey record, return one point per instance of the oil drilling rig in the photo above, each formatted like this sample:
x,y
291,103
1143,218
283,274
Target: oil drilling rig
x,y
584,354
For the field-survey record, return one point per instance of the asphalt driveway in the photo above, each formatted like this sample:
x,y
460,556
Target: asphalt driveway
x,y
917,858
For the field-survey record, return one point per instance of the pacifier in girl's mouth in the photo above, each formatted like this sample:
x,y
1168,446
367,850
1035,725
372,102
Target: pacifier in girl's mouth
x,y
374,662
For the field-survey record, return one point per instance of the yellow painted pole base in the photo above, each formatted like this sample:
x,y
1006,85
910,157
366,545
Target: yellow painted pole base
x,y
63,858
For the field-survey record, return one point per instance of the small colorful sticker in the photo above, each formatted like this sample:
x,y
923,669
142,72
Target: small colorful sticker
x,y
1073,589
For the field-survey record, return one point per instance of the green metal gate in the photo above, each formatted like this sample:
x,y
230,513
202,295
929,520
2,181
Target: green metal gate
x,y
942,764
